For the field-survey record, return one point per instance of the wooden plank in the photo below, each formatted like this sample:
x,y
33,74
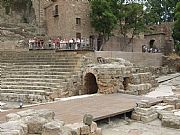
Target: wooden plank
x,y
101,106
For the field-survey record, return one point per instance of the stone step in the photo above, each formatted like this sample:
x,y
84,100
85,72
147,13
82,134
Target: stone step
x,y
26,87
27,83
27,98
39,72
39,56
39,60
39,69
41,66
33,76
21,91
34,80
46,63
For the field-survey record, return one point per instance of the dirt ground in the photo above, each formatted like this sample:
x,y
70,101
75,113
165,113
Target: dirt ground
x,y
122,127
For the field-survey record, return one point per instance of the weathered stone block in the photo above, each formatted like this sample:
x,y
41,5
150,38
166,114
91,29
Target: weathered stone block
x,y
88,119
12,117
34,123
99,131
136,116
93,127
14,128
47,114
79,128
177,106
53,128
149,117
164,107
144,111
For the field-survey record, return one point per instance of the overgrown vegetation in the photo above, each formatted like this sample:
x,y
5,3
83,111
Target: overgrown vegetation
x,y
176,29
19,6
129,19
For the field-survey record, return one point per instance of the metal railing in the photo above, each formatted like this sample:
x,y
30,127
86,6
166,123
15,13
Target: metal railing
x,y
61,46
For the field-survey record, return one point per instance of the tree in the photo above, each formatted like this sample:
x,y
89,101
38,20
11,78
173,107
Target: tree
x,y
158,11
102,19
176,29
130,19
7,5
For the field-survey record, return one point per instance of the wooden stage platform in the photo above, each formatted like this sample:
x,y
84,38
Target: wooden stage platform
x,y
100,106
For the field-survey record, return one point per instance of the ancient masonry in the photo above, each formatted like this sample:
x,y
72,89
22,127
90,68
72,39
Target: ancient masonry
x,y
42,122
168,111
44,76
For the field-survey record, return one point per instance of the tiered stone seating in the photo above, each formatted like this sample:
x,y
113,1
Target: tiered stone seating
x,y
36,76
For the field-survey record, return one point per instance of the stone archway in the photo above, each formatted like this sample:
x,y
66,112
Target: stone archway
x,y
90,84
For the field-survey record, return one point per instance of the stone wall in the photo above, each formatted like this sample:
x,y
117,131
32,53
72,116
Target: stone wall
x,y
64,24
142,59
109,77
117,43
159,40
172,63
114,75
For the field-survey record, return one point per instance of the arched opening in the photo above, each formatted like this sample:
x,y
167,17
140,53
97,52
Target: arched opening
x,y
90,84
151,43
125,82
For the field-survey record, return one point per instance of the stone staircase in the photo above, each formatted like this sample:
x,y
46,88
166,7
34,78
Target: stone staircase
x,y
37,76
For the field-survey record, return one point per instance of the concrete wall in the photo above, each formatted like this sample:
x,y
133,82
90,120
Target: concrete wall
x,y
138,58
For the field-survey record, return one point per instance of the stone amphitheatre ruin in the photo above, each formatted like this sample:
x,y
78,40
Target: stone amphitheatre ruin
x,y
37,76
43,76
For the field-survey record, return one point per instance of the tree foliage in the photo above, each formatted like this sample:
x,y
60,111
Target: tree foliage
x,y
176,29
17,4
109,14
158,11
102,18
131,20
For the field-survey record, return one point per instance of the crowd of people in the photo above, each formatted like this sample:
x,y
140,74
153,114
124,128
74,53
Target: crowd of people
x,y
150,50
57,43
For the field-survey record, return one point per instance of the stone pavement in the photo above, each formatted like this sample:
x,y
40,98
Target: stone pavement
x,y
100,106
168,77
120,127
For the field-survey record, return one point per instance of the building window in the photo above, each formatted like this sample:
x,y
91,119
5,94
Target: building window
x,y
78,35
78,21
56,11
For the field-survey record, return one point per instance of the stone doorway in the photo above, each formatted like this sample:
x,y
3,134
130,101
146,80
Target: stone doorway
x,y
90,84
151,43
125,82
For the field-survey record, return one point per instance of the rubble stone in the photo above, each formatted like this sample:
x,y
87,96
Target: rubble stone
x,y
79,128
34,123
12,117
171,119
52,128
41,122
93,127
136,116
14,128
149,117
